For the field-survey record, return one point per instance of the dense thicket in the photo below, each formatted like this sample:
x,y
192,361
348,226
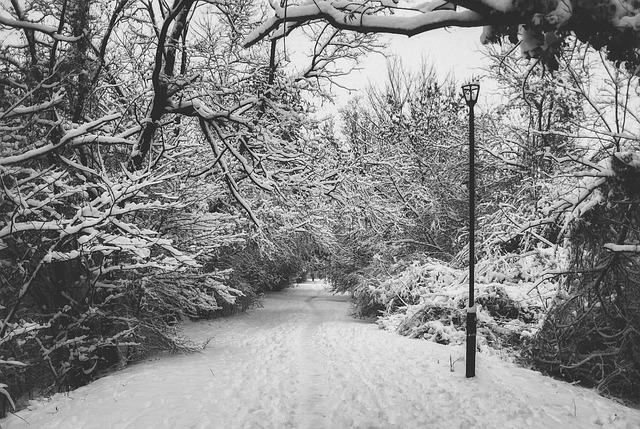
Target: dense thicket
x,y
151,170
557,215
586,203
407,174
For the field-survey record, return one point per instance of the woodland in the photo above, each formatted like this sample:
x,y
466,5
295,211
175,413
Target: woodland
x,y
158,162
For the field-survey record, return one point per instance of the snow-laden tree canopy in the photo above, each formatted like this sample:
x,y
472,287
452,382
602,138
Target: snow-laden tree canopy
x,y
540,26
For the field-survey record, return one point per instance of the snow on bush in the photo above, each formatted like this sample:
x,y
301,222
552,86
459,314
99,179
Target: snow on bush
x,y
428,298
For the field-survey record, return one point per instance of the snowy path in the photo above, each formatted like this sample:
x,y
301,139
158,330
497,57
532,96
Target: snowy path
x,y
303,362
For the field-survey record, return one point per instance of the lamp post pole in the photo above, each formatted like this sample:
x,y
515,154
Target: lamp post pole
x,y
471,97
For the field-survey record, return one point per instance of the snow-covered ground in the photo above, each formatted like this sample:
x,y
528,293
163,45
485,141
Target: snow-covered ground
x,y
303,362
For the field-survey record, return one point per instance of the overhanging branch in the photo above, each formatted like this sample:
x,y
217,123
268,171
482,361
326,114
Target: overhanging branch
x,y
362,23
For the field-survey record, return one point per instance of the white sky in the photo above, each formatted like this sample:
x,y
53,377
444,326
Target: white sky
x,y
455,51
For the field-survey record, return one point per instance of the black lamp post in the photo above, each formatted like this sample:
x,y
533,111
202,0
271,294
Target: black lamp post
x,y
470,92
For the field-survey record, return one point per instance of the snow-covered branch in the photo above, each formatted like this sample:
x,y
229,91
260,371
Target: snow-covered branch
x,y
50,31
30,110
343,16
199,109
632,248
540,26
68,137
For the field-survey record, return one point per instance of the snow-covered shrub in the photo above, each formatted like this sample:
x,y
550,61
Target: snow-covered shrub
x,y
592,332
365,299
173,295
87,283
428,298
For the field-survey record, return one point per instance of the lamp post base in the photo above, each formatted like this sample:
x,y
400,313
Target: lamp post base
x,y
471,342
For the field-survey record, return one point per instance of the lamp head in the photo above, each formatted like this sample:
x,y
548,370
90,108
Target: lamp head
x,y
470,92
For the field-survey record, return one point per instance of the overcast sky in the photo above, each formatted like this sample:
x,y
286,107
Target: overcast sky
x,y
455,51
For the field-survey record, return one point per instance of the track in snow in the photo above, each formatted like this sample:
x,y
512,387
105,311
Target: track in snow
x,y
303,362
